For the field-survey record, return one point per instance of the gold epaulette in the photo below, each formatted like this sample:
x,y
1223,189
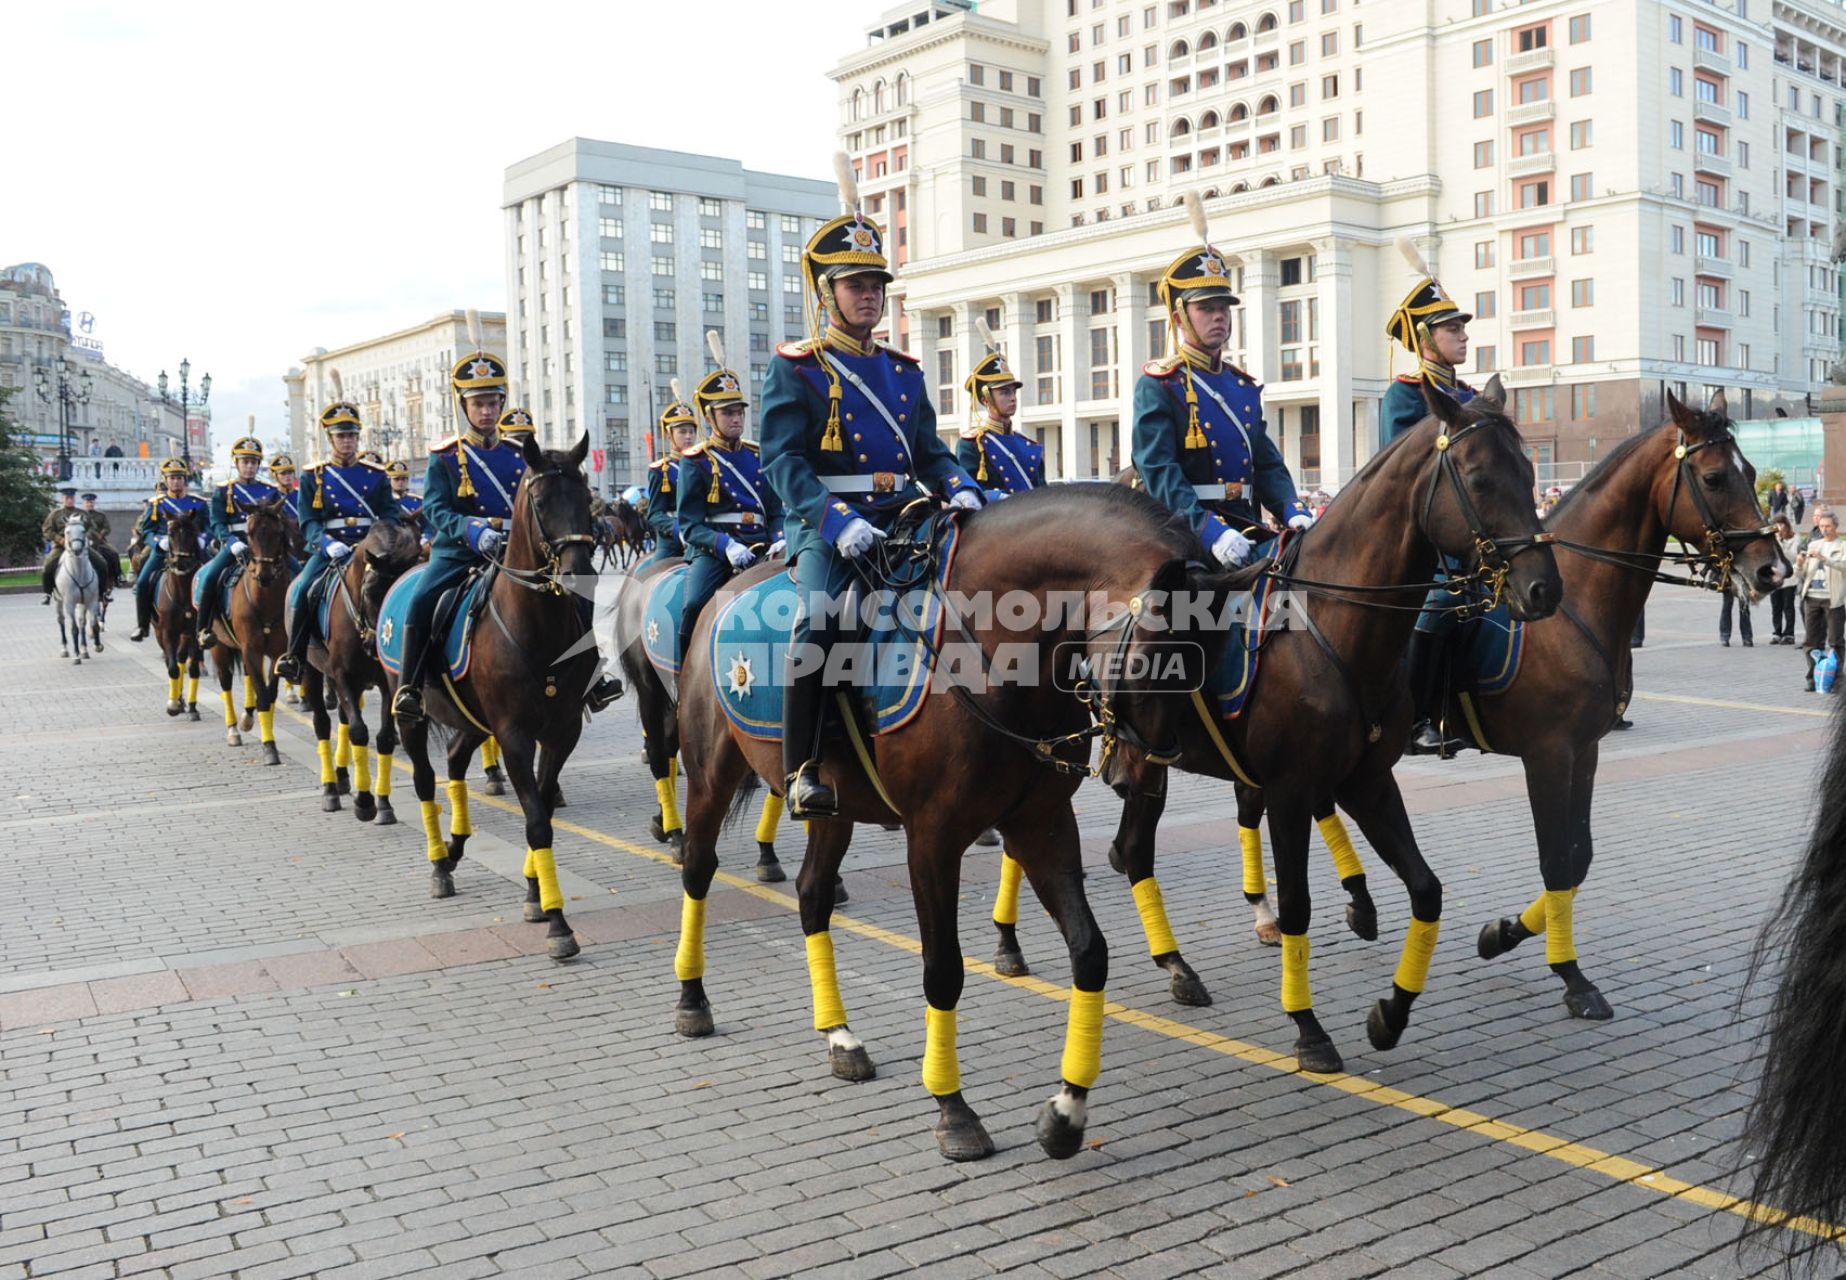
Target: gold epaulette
x,y
1161,367
376,466
659,464
1411,378
795,350
751,445
890,350
447,442
693,450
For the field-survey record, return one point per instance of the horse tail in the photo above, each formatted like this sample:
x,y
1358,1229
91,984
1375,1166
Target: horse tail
x,y
740,800
1796,1127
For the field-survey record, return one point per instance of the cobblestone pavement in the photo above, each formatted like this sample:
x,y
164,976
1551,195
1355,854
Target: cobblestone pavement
x,y
237,1036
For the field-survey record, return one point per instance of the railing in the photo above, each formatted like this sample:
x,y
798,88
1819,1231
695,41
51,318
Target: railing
x,y
1711,61
1530,112
1523,166
114,475
1711,111
1715,317
1543,318
1522,268
1711,267
1531,60
1706,162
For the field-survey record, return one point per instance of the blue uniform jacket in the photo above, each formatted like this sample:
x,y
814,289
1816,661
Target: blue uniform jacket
x,y
1238,454
663,504
1403,404
341,504
455,523
293,505
232,503
1002,461
152,522
875,473
746,509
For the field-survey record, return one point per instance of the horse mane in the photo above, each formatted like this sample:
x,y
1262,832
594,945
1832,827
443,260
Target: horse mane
x,y
395,546
1472,412
1600,473
1110,501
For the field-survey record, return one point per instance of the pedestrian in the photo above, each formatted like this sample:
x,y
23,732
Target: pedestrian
x,y
1778,498
1782,599
1820,582
1743,617
1796,505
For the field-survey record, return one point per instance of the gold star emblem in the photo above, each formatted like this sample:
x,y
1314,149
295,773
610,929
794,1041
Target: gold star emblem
x,y
743,676
727,383
480,369
385,632
1212,265
862,236
653,631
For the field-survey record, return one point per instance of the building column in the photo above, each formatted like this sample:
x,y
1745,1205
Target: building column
x,y
1130,354
1259,317
968,349
1339,448
1073,327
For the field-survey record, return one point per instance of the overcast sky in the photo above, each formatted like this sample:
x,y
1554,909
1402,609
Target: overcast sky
x,y
240,183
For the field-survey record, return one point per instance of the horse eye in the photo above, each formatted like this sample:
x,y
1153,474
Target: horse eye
x,y
1714,479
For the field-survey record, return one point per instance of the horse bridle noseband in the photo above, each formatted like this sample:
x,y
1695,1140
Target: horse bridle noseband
x,y
551,577
1493,556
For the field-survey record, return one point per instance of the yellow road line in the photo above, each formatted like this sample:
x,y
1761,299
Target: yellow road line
x,y
1758,707
1536,1141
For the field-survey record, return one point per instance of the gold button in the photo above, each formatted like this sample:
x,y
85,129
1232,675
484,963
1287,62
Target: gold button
x,y
901,396
862,457
903,417
849,417
857,437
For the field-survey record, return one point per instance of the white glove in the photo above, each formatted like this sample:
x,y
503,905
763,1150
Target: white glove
x,y
856,538
338,551
162,542
490,541
738,554
1301,522
240,549
777,547
1231,548
966,498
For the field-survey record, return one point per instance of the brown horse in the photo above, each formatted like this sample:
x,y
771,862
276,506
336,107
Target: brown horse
x,y
1007,754
174,628
532,662
1327,717
249,632
346,660
1686,479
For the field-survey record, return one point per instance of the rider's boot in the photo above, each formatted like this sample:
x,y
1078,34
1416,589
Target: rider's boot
x,y
207,620
603,693
144,615
49,579
802,707
288,666
1425,649
408,704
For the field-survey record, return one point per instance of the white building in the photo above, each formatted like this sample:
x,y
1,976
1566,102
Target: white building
x,y
400,382
1630,195
619,258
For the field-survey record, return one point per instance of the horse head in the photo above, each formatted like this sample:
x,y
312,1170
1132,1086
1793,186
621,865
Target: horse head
x,y
1477,507
184,531
267,534
76,536
552,531
388,552
1706,498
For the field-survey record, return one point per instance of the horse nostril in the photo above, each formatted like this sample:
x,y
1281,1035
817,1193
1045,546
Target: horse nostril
x,y
1539,597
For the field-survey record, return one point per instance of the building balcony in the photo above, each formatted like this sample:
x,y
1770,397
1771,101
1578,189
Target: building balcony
x,y
1532,60
1717,268
1544,318
1711,113
1706,162
1531,112
1526,268
1710,61
1712,317
1526,166
1266,39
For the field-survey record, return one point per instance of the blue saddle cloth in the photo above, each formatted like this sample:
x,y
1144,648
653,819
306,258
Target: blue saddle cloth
x,y
457,645
666,595
1228,685
1488,650
750,635
225,583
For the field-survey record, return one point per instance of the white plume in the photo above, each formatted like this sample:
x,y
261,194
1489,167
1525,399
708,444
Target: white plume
x,y
339,391
474,329
716,346
253,424
987,333
849,183
677,397
1412,256
1195,210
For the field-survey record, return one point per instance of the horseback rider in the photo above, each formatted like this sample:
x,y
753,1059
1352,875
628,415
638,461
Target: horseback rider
x,y
232,503
1200,442
848,432
725,509
467,500
151,531
1428,325
681,428
409,505
52,529
1003,461
282,474
98,523
340,500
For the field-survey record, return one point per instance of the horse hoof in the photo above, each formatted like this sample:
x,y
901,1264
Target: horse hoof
x,y
532,913
441,884
364,807
174,708
676,843
853,1064
1318,1057
656,830
1269,933
496,782
344,779
232,738
1379,1030
840,896
1011,964
964,1138
1588,1004
770,872
1494,940
1115,859
330,802
249,721
562,947
1059,1135
988,839
192,714
1187,989
273,756
693,1023
1362,920
387,817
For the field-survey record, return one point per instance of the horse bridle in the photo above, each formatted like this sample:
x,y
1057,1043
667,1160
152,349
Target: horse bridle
x,y
1493,556
551,577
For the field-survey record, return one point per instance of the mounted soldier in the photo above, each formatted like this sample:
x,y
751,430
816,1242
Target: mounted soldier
x,y
231,505
53,532
1200,443
409,505
1428,325
98,523
848,432
340,500
726,512
151,532
680,427
1004,461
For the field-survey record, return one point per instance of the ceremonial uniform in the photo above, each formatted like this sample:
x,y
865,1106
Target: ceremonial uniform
x,y
1403,404
727,513
151,531
409,505
52,530
231,505
663,485
1002,461
282,474
848,434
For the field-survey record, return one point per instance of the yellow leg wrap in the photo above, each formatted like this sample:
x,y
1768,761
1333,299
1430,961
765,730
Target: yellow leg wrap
x,y
362,768
230,710
771,820
669,804
458,808
174,687
249,693
527,870
490,754
1533,917
550,897
1339,844
266,725
941,1066
1083,1037
1250,840
324,749
1153,909
432,829
1006,901
1560,946
829,1009
689,960
343,747
192,689
1419,945
1295,995
384,773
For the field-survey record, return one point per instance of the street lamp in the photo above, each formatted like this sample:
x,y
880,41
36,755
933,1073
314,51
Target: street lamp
x,y
68,394
185,404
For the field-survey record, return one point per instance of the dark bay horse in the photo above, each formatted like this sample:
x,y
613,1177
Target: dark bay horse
x,y
1007,754
250,633
1328,715
531,664
174,618
1687,479
345,663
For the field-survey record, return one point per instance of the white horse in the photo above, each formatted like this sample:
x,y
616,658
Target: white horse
x,y
77,593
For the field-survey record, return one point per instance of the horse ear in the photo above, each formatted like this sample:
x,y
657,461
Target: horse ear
x,y
1493,395
1717,405
1677,411
535,456
581,450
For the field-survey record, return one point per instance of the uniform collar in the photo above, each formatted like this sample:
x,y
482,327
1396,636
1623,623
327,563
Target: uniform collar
x,y
1199,360
716,441
473,436
846,344
995,425
1440,375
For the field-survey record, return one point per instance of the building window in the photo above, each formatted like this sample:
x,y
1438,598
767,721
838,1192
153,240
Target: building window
x,y
660,201
666,331
663,266
1486,359
1483,103
615,295
1485,307
1580,82
755,219
713,302
660,232
1580,185
1583,395
1532,89
711,238
711,270
1582,293
610,261
758,279
1532,404
617,362
1583,239
1534,297
1533,244
1532,194
1483,204
665,299
1580,131
709,208
1483,253
609,228
1483,53
1483,154
606,194
980,224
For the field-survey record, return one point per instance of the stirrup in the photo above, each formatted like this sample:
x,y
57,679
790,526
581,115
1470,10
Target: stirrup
x,y
1426,739
808,796
408,704
603,693
288,666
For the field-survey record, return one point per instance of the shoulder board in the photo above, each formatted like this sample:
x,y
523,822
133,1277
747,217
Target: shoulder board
x,y
890,350
693,451
444,444
1411,378
795,350
659,464
376,466
1233,369
1161,367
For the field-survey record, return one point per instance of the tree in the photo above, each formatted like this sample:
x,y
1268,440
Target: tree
x,y
25,492
1767,480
